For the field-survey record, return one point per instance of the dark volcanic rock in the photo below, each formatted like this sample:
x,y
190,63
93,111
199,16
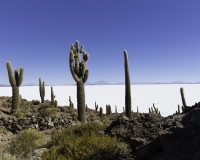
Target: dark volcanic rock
x,y
161,138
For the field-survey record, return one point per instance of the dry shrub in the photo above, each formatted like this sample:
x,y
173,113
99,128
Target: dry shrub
x,y
47,110
84,142
28,141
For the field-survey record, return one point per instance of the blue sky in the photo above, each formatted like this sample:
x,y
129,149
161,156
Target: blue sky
x,y
162,39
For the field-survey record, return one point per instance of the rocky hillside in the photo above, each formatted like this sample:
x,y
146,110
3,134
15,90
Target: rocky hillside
x,y
150,135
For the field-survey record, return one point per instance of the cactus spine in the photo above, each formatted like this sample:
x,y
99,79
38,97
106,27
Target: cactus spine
x,y
183,97
80,74
15,81
127,87
42,90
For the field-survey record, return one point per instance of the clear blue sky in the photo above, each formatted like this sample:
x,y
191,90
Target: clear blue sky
x,y
162,39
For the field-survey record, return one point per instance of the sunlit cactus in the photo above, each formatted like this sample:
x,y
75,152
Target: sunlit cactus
x,y
42,90
80,73
15,81
127,87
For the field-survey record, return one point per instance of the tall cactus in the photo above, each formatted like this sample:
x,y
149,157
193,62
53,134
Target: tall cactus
x,y
127,86
52,96
80,74
183,97
42,90
15,81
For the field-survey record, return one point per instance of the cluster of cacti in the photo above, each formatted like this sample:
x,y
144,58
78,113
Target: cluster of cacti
x,y
15,81
127,87
80,74
108,109
183,97
100,111
42,90
154,110
79,71
96,106
71,104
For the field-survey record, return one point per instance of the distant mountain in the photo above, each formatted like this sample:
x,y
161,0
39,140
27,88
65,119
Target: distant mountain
x,y
101,83
106,83
177,82
4,85
30,84
120,83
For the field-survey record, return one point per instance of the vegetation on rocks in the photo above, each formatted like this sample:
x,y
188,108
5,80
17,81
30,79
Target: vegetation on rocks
x,y
85,142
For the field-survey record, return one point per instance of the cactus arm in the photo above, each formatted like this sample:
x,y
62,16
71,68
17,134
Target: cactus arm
x,y
20,78
82,68
72,69
85,78
10,75
16,75
85,56
77,67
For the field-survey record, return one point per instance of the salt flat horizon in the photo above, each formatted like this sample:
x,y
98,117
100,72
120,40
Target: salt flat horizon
x,y
166,97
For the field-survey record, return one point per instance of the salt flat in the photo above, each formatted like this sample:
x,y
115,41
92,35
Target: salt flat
x,y
165,96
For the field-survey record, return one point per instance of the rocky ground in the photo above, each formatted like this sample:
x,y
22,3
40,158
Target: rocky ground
x,y
153,137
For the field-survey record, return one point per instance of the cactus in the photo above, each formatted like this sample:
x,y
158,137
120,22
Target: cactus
x,y
155,109
108,109
15,81
42,90
178,109
100,111
96,106
55,103
80,74
127,87
149,110
52,96
138,115
183,97
182,108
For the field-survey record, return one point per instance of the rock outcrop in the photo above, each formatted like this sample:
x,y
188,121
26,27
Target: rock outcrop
x,y
153,137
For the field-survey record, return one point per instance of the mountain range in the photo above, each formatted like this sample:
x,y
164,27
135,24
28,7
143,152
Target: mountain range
x,y
106,83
